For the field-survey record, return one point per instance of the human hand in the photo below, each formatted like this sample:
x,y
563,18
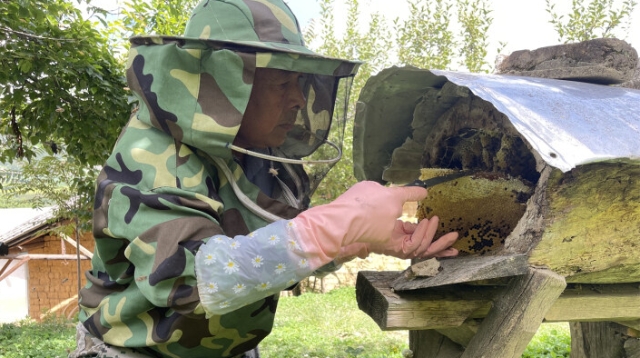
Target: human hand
x,y
410,241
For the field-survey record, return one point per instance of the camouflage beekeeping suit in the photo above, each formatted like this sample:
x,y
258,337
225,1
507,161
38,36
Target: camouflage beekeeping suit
x,y
172,187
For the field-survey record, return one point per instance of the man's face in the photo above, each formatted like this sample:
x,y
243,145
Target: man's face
x,y
275,100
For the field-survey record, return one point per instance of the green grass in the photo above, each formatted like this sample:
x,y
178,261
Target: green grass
x,y
329,325
311,325
52,338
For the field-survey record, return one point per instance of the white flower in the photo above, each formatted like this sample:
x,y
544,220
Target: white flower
x,y
264,286
231,267
303,263
280,268
251,235
239,288
218,239
224,304
292,244
291,224
291,282
273,239
209,259
257,261
234,244
211,287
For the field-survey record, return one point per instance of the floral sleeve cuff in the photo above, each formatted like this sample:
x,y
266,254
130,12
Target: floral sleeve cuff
x,y
234,272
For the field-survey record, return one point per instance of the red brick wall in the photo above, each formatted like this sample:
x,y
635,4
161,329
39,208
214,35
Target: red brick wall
x,y
51,282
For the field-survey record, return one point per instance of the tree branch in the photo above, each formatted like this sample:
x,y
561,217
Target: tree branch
x,y
31,36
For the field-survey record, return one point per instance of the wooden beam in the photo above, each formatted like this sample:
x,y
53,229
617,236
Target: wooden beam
x,y
465,269
516,315
612,302
450,306
6,274
438,307
46,257
6,265
73,243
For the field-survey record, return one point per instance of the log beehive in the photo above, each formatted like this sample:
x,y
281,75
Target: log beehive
x,y
559,164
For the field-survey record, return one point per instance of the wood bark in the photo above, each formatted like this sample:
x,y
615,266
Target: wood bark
x,y
516,315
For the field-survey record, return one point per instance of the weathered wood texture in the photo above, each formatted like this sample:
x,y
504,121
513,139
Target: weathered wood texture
x,y
432,344
450,306
600,339
592,224
465,269
516,315
632,348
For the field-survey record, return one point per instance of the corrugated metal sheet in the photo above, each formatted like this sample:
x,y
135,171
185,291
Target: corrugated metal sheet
x,y
567,123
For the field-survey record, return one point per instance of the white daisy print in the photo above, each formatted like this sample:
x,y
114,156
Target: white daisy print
x,y
231,267
257,261
251,235
209,259
224,304
211,287
303,263
280,268
239,288
234,244
292,244
264,286
291,224
218,239
273,239
291,282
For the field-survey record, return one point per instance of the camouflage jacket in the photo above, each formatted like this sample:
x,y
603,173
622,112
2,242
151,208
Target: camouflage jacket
x,y
161,195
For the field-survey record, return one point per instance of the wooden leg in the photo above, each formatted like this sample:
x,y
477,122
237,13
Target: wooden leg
x,y
602,339
432,344
516,315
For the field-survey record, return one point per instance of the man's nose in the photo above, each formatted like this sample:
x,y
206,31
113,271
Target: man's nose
x,y
296,97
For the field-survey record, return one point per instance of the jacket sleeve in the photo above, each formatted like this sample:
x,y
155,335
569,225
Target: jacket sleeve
x,y
234,272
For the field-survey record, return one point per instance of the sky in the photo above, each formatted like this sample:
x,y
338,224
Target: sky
x,y
521,24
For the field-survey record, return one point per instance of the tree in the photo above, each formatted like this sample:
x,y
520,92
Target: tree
x,y
58,82
425,39
591,19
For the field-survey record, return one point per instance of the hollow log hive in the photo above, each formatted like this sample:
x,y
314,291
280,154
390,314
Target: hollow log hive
x,y
571,202
549,219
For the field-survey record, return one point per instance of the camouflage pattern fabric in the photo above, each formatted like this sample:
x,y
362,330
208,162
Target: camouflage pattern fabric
x,y
160,196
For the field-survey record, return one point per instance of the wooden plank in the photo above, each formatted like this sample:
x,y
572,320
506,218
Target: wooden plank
x,y
465,269
597,340
442,307
46,257
597,303
432,344
516,315
20,262
73,243
463,334
449,306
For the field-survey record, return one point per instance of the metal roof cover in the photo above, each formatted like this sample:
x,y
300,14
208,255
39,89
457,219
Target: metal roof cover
x,y
567,123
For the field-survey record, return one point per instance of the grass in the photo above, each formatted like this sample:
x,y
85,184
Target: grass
x,y
329,325
307,326
53,338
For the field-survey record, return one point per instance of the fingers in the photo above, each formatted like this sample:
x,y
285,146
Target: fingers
x,y
417,237
423,235
410,193
439,247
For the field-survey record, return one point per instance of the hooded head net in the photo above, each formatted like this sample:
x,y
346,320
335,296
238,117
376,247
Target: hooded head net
x,y
203,79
